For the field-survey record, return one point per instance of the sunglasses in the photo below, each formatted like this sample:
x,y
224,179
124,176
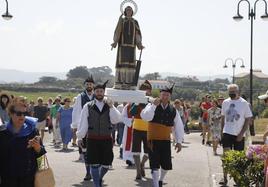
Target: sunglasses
x,y
19,113
67,101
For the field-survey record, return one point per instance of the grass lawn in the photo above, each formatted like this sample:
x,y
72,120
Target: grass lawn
x,y
261,125
34,95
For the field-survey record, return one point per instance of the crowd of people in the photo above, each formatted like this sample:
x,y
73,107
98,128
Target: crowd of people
x,y
95,124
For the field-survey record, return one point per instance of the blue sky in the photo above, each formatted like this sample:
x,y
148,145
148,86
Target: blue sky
x,y
185,37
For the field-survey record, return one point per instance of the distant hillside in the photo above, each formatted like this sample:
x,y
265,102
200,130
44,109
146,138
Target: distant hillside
x,y
9,75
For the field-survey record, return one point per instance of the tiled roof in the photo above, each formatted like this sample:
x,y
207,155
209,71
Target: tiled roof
x,y
256,73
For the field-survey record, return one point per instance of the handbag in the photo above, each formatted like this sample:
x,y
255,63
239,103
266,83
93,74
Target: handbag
x,y
44,177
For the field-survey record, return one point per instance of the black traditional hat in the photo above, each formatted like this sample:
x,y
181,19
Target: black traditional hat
x,y
101,86
168,89
146,85
89,79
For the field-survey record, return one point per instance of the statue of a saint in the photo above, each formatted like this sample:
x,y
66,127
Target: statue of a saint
x,y
128,36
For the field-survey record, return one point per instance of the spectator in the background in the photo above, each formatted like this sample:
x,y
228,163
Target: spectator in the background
x,y
30,108
20,147
220,100
265,99
214,121
64,119
205,106
41,112
4,102
179,107
49,103
74,130
120,130
53,115
200,118
236,116
187,113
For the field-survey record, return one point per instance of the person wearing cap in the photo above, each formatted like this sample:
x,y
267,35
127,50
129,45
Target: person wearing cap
x,y
139,127
96,122
163,118
41,112
86,96
220,100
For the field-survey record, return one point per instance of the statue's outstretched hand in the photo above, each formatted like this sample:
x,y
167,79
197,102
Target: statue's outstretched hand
x,y
140,47
114,45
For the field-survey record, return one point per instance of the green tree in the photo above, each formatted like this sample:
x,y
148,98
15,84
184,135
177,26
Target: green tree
x,y
152,76
78,72
47,79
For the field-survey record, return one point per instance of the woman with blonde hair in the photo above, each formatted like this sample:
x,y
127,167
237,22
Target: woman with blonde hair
x,y
20,147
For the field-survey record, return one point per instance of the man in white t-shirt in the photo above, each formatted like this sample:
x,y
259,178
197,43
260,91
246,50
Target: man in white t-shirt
x,y
236,116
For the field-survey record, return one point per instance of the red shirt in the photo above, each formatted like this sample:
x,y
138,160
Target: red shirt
x,y
206,105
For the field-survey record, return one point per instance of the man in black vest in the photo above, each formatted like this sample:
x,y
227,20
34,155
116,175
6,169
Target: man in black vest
x,y
82,98
96,122
163,118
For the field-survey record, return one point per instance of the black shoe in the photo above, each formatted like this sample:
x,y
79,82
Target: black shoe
x,y
129,163
203,141
138,177
208,143
160,183
87,177
223,182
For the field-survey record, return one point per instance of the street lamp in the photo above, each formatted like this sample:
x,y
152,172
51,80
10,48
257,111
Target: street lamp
x,y
251,17
7,15
233,63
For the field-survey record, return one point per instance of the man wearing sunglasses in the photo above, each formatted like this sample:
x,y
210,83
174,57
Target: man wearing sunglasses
x,y
86,96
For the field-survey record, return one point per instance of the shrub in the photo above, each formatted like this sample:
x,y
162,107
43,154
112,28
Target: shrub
x,y
245,171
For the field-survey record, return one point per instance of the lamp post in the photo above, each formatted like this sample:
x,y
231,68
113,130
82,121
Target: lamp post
x,y
233,63
7,15
251,17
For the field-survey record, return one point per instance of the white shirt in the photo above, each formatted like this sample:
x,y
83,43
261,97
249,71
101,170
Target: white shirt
x,y
77,109
126,120
120,108
115,117
148,113
235,113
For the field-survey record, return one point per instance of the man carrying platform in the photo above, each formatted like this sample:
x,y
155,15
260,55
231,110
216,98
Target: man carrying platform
x,y
163,118
96,122
132,118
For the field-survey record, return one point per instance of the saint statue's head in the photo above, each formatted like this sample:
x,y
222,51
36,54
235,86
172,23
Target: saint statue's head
x,y
128,11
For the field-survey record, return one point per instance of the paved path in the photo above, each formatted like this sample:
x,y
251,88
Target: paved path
x,y
195,166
